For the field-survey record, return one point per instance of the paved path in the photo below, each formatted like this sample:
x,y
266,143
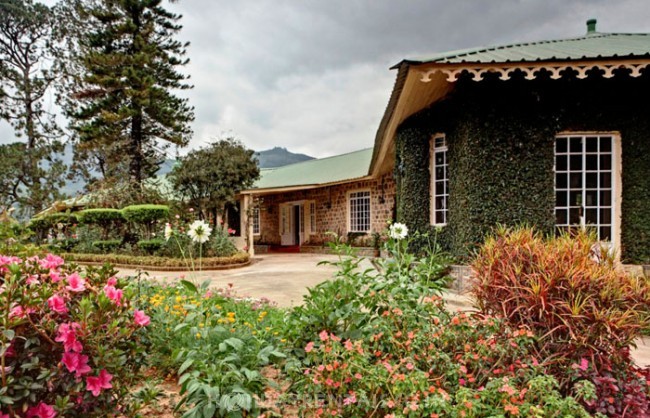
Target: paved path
x,y
284,278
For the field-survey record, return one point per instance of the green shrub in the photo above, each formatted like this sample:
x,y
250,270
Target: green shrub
x,y
567,290
220,244
107,246
42,224
100,217
60,331
162,262
109,221
145,214
150,246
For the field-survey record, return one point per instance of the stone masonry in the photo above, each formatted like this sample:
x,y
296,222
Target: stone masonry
x,y
331,210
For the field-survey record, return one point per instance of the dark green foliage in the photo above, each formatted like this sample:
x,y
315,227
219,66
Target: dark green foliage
x,y
209,178
500,138
145,214
150,246
45,222
124,61
108,245
100,217
30,176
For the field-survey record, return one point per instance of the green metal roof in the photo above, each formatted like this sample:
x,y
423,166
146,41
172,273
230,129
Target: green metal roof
x,y
593,45
322,171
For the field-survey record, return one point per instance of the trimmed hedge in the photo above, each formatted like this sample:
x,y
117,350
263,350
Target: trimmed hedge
x,y
102,217
500,138
123,259
107,245
150,245
145,214
46,222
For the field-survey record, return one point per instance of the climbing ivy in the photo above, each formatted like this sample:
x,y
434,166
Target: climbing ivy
x,y
500,137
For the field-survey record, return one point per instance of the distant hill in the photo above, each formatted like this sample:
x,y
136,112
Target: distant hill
x,y
277,157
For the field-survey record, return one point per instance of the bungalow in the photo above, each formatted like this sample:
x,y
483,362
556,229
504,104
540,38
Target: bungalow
x,y
554,134
298,204
551,133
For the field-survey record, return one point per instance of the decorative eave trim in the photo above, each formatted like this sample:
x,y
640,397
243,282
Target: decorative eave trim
x,y
557,69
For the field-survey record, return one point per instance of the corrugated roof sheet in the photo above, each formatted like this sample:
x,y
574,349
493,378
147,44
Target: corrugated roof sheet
x,y
590,46
334,169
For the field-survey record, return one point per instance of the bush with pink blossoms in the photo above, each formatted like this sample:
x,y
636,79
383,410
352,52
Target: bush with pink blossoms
x,y
71,342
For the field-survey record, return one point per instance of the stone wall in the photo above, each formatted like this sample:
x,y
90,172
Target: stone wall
x,y
331,204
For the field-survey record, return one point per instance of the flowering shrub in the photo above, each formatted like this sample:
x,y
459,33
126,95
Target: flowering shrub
x,y
70,342
218,345
586,312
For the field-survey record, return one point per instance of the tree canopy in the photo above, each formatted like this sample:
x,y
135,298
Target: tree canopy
x,y
124,78
210,177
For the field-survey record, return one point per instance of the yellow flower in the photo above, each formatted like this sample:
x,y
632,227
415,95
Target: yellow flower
x,y
198,335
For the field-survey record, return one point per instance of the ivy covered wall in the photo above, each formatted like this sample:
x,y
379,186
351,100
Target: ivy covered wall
x,y
500,137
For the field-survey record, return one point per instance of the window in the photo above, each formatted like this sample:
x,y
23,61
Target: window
x,y
584,185
256,221
312,217
359,211
439,180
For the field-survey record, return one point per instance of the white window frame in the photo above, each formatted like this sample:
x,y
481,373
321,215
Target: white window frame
x,y
312,217
352,196
256,221
616,181
445,181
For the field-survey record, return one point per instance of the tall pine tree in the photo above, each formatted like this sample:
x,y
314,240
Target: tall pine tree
x,y
122,102
31,175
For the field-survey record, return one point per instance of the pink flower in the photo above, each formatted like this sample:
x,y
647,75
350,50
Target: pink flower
x,y
32,279
17,312
111,281
51,262
309,347
55,276
42,410
76,363
350,400
140,318
584,364
96,384
409,366
67,335
4,415
57,304
113,294
323,335
76,283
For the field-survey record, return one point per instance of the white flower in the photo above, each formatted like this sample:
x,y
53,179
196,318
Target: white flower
x,y
398,231
168,231
199,231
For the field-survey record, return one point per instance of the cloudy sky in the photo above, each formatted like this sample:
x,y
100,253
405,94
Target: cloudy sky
x,y
313,76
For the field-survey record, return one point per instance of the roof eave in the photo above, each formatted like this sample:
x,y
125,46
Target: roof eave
x,y
292,188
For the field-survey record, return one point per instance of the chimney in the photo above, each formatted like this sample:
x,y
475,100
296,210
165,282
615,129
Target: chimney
x,y
591,26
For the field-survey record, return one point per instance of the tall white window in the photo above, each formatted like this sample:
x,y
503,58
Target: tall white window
x,y
256,221
312,217
359,211
439,180
584,183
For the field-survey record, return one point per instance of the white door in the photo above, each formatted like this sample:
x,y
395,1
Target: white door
x,y
286,231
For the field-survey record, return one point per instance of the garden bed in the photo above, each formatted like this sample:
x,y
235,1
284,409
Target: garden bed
x,y
240,259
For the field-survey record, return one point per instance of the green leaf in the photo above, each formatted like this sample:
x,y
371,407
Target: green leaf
x,y
9,334
187,363
189,286
181,326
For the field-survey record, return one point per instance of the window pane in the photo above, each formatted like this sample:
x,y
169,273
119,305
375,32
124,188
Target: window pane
x,y
575,162
605,216
591,216
561,198
576,180
605,233
574,216
561,163
561,180
592,162
561,144
606,198
439,159
605,180
440,173
561,217
592,180
591,198
591,144
575,198
575,144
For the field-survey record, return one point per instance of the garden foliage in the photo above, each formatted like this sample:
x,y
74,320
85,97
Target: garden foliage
x,y
586,312
70,342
